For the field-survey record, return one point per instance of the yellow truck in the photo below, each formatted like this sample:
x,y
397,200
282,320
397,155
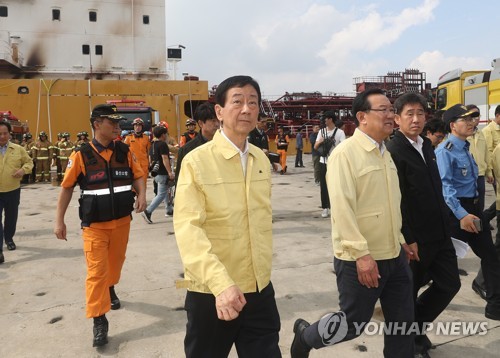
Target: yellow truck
x,y
479,87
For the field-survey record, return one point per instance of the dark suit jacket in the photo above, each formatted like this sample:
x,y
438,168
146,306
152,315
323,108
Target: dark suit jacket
x,y
257,139
424,211
184,150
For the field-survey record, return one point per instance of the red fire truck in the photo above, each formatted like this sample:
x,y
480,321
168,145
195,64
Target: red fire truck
x,y
18,128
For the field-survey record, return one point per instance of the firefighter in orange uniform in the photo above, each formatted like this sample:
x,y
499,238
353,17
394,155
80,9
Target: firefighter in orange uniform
x,y
190,133
42,155
106,171
139,144
282,141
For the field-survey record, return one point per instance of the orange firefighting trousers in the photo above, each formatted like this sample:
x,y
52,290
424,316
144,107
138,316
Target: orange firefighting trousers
x,y
145,169
282,153
105,253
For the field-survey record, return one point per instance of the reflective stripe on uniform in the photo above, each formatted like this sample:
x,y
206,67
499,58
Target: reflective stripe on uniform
x,y
106,191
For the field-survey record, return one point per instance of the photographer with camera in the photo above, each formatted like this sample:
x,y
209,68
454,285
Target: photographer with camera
x,y
161,159
328,137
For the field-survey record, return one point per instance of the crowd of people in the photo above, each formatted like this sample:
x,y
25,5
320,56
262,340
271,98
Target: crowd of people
x,y
396,201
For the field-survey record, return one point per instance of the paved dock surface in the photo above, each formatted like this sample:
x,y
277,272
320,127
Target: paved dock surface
x,y
42,296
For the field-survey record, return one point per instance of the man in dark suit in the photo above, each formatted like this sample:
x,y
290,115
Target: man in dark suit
x,y
426,226
208,123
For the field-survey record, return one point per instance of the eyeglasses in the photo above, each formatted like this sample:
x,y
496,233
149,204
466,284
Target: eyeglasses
x,y
382,110
467,119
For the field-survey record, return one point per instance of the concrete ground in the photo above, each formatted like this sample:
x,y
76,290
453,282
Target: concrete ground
x,y
42,284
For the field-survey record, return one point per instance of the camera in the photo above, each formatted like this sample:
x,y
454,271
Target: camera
x,y
155,168
322,121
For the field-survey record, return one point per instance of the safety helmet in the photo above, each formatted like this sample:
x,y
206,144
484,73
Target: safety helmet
x,y
79,134
190,121
138,121
27,136
65,135
84,133
163,124
42,133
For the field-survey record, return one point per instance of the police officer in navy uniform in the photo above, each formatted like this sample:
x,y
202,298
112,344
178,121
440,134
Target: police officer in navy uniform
x,y
459,173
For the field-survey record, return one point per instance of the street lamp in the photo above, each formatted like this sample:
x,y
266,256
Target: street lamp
x,y
174,55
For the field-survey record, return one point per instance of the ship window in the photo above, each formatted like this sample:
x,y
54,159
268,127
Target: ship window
x,y
56,15
98,49
86,49
4,11
92,16
145,19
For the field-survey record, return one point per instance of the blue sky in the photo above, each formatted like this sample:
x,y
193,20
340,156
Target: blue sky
x,y
320,45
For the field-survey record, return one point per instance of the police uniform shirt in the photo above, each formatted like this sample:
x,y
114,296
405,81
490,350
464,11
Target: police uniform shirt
x,y
458,172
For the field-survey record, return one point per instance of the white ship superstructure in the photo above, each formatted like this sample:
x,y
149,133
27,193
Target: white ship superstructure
x,y
83,39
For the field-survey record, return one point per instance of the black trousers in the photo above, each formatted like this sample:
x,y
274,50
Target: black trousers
x,y
255,332
482,245
357,302
438,262
480,277
9,208
325,199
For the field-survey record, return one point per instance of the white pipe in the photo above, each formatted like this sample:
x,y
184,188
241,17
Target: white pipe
x,y
48,113
38,110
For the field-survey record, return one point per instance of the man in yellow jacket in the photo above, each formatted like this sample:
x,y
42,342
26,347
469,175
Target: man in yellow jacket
x,y
370,253
14,164
492,135
223,229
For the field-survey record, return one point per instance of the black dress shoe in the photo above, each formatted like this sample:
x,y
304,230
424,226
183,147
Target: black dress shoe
x,y
2,259
11,246
423,341
494,315
100,331
422,346
479,290
115,301
492,312
299,349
